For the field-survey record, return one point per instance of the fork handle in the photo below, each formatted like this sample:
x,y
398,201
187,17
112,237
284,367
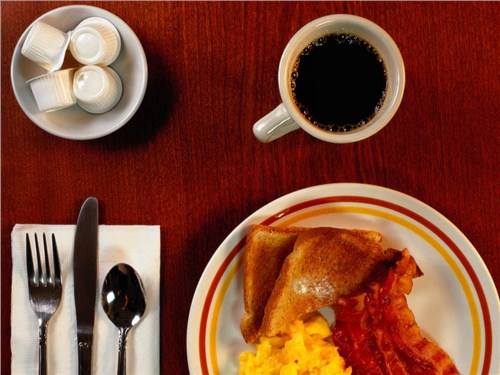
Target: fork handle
x,y
42,347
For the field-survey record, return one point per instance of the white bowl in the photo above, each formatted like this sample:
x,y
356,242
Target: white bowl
x,y
73,122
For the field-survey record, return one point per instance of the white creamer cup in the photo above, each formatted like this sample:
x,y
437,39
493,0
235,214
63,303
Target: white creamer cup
x,y
95,41
53,91
286,117
46,46
97,89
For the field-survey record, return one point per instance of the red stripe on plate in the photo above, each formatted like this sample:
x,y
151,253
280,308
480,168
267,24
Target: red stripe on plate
x,y
358,199
208,302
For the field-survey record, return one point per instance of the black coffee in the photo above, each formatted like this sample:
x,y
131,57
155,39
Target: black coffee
x,y
339,82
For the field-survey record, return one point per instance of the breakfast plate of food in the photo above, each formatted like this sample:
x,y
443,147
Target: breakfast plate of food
x,y
366,266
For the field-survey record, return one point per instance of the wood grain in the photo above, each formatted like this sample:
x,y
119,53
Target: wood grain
x,y
188,160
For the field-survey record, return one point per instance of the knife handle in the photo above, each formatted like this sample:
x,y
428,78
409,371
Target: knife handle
x,y
84,357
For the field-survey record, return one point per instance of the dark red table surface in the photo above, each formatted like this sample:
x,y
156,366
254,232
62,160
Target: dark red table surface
x,y
188,160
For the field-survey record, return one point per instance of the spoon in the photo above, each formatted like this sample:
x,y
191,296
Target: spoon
x,y
123,301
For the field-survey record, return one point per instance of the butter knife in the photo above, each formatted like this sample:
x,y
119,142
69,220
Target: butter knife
x,y
85,279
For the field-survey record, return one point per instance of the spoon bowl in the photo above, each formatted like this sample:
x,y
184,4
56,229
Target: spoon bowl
x,y
123,301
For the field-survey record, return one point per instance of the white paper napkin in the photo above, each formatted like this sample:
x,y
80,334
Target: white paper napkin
x,y
138,246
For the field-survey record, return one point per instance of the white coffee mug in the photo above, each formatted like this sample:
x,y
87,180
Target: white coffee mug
x,y
286,117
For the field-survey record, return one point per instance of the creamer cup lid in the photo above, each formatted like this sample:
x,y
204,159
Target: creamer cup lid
x,y
90,49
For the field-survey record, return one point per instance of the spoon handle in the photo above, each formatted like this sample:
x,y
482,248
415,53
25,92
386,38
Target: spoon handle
x,y
122,346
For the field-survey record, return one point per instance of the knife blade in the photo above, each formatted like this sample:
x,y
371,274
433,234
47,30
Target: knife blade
x,y
85,279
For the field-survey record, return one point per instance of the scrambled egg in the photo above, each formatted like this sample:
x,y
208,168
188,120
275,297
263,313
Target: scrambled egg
x,y
302,350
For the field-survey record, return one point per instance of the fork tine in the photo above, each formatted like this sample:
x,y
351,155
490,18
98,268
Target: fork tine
x,y
48,276
57,266
29,261
45,290
39,271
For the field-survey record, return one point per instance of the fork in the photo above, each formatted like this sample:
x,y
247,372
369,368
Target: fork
x,y
45,291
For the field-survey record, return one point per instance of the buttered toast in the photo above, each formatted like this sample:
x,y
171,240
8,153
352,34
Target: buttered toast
x,y
325,264
263,263
265,251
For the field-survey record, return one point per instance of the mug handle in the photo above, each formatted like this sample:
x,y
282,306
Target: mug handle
x,y
274,125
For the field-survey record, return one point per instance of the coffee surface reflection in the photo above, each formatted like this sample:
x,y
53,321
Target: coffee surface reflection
x,y
339,82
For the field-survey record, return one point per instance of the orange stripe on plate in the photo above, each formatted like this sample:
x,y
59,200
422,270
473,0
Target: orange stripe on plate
x,y
426,237
206,306
342,199
215,319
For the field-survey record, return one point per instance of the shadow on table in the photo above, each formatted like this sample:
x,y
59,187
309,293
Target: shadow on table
x,y
153,113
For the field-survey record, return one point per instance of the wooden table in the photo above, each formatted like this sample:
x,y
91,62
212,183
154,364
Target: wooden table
x,y
188,160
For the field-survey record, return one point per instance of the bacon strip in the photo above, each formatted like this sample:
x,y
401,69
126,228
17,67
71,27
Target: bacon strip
x,y
376,331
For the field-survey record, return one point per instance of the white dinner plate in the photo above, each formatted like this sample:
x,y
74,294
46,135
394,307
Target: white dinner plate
x,y
455,303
